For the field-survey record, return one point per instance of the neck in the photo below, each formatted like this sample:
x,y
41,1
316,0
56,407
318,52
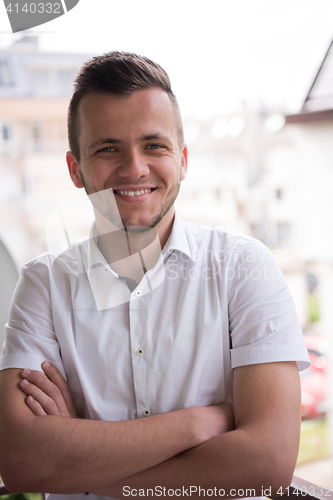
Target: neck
x,y
131,251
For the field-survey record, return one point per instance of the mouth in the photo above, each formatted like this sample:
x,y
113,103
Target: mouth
x,y
133,194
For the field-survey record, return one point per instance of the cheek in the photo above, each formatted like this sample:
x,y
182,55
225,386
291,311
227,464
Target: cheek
x,y
100,171
170,173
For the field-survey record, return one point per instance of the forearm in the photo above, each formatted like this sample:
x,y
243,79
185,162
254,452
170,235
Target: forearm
x,y
260,453
232,461
72,455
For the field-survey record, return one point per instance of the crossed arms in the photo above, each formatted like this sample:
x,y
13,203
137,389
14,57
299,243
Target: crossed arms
x,y
193,446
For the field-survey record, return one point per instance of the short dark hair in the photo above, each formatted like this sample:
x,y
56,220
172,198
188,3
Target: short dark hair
x,y
119,73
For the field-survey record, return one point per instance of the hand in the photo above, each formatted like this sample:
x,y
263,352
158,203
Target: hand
x,y
47,393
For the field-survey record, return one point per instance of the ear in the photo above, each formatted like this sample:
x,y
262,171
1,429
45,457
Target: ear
x,y
183,168
74,170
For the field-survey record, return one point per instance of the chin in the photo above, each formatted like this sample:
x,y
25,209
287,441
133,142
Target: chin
x,y
147,220
144,221
131,225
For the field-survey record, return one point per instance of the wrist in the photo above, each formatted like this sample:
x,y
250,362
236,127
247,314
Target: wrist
x,y
197,423
207,422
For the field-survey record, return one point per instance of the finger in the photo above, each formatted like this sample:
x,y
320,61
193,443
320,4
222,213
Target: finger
x,y
55,376
35,407
46,393
47,403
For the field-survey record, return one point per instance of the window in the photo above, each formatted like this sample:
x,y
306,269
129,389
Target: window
x,y
279,194
6,137
5,79
37,136
6,132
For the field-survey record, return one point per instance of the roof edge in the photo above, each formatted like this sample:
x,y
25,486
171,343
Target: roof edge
x,y
313,116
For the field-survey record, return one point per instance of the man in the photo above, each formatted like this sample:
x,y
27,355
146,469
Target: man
x,y
219,325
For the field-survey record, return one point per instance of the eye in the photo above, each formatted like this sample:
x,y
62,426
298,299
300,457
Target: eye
x,y
107,149
155,146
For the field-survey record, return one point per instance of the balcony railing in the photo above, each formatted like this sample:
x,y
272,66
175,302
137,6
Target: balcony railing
x,y
3,491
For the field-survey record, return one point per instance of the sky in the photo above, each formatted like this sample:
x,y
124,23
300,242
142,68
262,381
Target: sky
x,y
220,54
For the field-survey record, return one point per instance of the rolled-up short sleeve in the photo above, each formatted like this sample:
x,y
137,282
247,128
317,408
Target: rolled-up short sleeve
x,y
30,337
263,322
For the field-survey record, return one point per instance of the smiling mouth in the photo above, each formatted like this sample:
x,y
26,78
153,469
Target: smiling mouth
x,y
133,193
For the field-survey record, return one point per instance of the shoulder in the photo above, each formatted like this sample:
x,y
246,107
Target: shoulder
x,y
68,262
37,268
225,243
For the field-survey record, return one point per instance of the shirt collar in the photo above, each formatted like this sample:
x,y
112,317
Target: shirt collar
x,y
104,284
95,257
178,239
103,280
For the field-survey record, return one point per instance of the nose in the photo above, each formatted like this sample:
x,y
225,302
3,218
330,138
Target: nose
x,y
134,165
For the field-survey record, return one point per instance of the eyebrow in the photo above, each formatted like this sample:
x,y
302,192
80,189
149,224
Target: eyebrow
x,y
113,140
151,137
104,140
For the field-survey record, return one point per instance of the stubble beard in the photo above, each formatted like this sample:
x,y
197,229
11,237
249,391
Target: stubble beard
x,y
108,208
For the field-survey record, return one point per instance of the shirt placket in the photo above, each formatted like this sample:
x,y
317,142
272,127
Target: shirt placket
x,y
139,352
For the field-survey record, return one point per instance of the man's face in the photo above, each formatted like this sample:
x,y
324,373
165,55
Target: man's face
x,y
130,144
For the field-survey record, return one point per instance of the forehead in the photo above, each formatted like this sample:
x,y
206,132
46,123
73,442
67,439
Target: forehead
x,y
148,111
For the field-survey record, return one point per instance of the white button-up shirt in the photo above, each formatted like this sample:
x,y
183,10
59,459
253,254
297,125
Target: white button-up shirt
x,y
215,300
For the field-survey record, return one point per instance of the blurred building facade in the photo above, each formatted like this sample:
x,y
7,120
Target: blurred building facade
x,y
242,175
270,175
314,129
35,88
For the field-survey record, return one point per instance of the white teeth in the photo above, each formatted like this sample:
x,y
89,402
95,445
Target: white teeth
x,y
134,193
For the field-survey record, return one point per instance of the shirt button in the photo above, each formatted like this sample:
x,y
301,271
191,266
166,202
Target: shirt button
x,y
138,293
140,350
146,412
